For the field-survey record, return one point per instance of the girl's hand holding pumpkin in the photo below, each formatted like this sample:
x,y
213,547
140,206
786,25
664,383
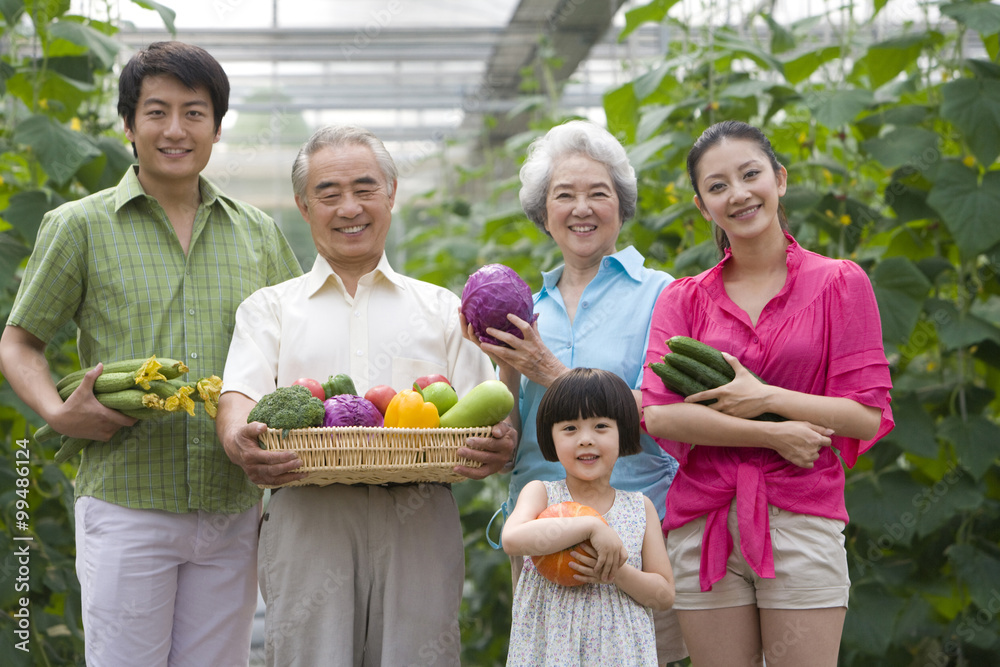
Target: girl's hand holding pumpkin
x,y
600,561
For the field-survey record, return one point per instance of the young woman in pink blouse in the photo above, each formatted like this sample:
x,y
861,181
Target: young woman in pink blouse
x,y
756,513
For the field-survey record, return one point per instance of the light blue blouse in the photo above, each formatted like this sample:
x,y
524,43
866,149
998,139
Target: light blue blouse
x,y
610,331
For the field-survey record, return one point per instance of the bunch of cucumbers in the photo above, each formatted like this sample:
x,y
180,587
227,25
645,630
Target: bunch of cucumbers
x,y
693,367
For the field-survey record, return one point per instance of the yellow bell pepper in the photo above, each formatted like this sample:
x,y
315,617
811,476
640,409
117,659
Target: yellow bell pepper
x,y
408,409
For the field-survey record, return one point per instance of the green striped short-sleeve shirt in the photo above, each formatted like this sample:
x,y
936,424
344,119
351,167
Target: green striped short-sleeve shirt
x,y
112,263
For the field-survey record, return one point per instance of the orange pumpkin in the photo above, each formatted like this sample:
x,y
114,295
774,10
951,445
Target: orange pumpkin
x,y
555,566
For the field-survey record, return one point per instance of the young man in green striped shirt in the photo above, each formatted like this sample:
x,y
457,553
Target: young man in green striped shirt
x,y
165,523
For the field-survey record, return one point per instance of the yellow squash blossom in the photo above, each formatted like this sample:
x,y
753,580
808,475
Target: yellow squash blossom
x,y
180,401
209,389
845,220
152,401
149,372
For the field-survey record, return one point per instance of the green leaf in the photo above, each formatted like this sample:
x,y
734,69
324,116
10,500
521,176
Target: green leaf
x,y
654,12
621,110
983,17
648,83
871,616
103,48
914,429
967,206
167,15
12,251
11,11
60,151
973,106
801,67
904,146
883,61
956,330
25,212
733,45
883,506
952,495
836,108
979,570
900,289
975,441
641,155
782,40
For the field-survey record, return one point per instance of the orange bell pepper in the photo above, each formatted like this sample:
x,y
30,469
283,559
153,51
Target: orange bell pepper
x,y
408,409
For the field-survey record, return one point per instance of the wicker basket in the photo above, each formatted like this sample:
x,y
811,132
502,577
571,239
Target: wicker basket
x,y
374,455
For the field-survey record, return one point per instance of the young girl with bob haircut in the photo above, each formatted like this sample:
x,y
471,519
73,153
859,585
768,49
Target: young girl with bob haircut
x,y
586,420
756,513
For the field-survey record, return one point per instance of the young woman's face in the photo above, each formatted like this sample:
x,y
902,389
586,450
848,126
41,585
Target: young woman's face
x,y
587,448
739,188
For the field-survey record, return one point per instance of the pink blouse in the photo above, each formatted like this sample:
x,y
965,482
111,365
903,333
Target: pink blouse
x,y
821,334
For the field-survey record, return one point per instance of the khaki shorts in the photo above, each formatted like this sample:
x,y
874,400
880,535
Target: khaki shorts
x,y
810,566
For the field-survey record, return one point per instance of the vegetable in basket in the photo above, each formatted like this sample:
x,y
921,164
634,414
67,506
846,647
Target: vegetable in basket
x,y
288,407
339,384
351,410
485,404
492,292
408,409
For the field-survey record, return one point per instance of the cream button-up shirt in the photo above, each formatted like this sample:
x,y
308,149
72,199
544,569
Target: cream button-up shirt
x,y
394,330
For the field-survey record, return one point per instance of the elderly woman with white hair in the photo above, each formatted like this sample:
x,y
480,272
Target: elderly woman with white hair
x,y
594,310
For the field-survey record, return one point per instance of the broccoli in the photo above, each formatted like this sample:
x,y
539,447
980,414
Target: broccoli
x,y
288,407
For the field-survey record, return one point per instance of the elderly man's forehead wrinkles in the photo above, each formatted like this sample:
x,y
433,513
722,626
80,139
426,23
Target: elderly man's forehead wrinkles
x,y
362,180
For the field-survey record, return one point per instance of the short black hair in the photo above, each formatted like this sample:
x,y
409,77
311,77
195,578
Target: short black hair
x,y
192,65
583,393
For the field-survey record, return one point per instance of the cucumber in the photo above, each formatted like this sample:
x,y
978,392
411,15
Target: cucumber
x,y
70,448
678,382
697,370
485,404
706,354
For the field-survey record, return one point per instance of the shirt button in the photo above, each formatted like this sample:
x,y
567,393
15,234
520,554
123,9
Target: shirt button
x,y
585,304
569,345
196,440
359,353
191,312
357,313
756,340
194,355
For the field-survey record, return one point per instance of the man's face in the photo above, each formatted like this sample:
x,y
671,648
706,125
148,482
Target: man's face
x,y
173,130
348,206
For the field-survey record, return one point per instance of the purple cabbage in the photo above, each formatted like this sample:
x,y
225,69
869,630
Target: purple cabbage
x,y
492,292
351,410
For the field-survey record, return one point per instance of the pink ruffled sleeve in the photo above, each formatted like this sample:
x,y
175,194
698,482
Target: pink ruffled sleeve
x,y
858,367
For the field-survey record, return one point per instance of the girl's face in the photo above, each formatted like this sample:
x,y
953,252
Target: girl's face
x,y
587,448
739,188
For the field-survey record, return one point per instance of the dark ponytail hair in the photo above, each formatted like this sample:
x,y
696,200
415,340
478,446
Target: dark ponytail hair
x,y
731,129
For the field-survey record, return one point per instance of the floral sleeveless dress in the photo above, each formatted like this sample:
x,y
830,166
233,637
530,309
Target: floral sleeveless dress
x,y
592,624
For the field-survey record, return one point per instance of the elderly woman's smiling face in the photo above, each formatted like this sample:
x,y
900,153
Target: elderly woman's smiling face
x,y
582,209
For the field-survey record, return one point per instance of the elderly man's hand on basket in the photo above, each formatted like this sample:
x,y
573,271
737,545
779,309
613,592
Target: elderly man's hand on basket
x,y
493,453
240,440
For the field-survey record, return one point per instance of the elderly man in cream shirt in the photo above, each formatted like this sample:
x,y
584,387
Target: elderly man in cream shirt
x,y
353,574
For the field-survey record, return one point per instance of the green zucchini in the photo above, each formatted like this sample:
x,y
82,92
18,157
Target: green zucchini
x,y
678,382
706,354
697,370
70,448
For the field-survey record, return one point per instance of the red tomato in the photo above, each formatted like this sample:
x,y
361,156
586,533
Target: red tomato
x,y
312,385
425,380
